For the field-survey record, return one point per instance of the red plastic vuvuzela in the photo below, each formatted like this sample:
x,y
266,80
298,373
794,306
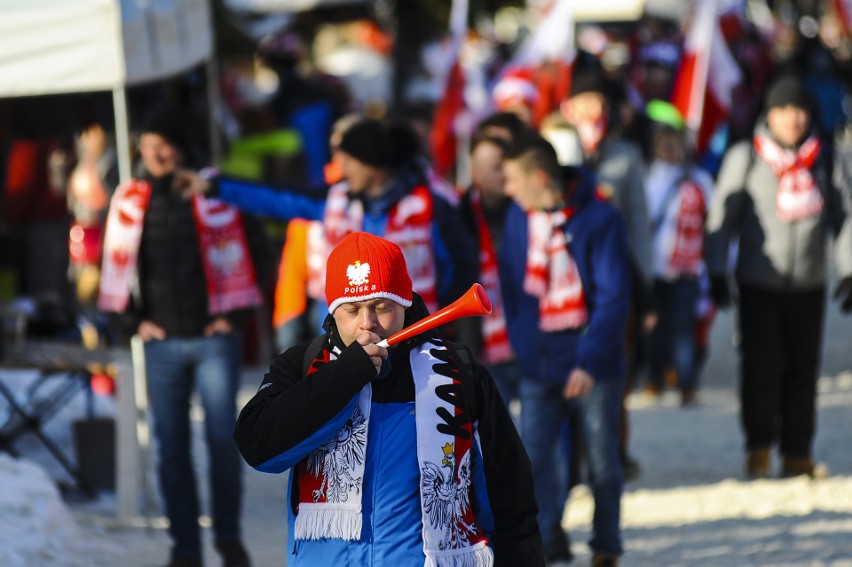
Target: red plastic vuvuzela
x,y
475,301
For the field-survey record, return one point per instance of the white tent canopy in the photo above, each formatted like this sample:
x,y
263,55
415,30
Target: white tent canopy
x,y
57,46
608,10
286,6
70,46
599,10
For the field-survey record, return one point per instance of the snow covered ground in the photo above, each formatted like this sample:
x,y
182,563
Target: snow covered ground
x,y
690,507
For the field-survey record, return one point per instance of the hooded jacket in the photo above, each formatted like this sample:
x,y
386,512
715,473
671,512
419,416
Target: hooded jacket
x,y
597,241
290,416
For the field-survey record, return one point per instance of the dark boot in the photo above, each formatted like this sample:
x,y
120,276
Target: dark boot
x,y
233,554
631,467
604,560
797,466
688,397
757,463
184,561
560,547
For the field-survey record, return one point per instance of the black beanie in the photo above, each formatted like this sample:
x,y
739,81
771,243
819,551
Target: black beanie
x,y
369,142
169,122
588,81
788,90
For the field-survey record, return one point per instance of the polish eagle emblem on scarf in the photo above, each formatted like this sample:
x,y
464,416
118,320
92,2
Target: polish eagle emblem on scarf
x,y
336,458
358,273
446,500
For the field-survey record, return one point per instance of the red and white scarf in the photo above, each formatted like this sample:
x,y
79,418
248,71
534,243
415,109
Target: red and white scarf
x,y
230,276
677,208
409,226
686,247
495,337
331,477
798,196
552,273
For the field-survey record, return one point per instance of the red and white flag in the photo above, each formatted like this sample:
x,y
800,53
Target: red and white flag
x,y
707,76
443,139
843,11
549,52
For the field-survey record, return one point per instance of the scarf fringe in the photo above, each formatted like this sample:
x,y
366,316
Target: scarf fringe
x,y
479,556
327,521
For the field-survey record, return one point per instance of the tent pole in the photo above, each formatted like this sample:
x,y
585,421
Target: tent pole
x,y
122,133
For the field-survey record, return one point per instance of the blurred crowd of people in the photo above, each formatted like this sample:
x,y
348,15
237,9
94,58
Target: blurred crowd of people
x,y
606,236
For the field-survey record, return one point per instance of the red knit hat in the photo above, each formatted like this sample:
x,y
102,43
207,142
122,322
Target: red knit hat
x,y
515,87
362,267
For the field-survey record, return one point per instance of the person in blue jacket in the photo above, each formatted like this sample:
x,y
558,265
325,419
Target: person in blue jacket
x,y
403,455
566,289
385,191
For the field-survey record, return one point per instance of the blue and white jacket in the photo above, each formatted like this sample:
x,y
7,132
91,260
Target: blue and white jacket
x,y
290,416
597,241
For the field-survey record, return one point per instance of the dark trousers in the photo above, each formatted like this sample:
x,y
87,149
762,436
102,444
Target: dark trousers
x,y
672,342
781,338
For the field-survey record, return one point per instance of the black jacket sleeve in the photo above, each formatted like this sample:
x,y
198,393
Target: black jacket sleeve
x,y
508,477
288,410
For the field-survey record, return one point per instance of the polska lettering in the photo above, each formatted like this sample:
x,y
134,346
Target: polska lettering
x,y
360,288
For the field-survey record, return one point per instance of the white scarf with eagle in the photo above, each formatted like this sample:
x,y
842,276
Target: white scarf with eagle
x,y
331,477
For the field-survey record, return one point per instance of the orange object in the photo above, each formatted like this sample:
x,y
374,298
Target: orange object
x,y
475,301
102,385
290,290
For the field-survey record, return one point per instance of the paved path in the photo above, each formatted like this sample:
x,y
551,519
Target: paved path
x,y
690,507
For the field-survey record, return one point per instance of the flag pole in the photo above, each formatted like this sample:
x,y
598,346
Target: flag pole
x,y
705,16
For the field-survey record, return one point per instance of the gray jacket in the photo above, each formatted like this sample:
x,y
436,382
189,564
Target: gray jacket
x,y
774,254
621,173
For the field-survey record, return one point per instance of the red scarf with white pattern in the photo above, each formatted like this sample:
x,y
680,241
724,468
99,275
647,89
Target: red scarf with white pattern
x,y
552,273
230,275
495,337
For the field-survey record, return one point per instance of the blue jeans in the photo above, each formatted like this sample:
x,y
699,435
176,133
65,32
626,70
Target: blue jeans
x,y
672,342
175,367
543,413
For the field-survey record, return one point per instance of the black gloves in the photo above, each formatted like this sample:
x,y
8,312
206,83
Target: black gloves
x,y
720,291
843,294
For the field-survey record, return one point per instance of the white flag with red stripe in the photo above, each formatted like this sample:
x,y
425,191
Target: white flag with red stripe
x,y
442,138
551,40
843,10
549,52
708,74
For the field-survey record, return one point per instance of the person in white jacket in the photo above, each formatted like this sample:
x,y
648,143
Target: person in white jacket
x,y
677,194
